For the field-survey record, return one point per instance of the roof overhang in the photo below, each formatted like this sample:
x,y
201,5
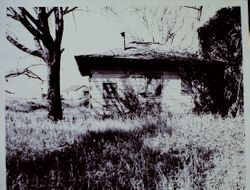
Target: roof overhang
x,y
88,64
144,57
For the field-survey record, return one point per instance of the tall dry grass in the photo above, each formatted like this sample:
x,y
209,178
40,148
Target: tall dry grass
x,y
164,152
219,140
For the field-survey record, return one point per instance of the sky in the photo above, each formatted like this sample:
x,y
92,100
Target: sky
x,y
96,29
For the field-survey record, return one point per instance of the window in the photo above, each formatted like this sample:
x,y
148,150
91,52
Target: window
x,y
85,93
153,87
109,90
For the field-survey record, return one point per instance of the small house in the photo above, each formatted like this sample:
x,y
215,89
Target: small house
x,y
152,72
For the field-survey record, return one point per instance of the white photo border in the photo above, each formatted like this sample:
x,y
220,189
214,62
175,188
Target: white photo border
x,y
220,3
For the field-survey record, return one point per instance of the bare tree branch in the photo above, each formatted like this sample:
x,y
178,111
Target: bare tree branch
x,y
31,74
34,65
29,16
112,10
27,72
67,10
41,32
22,47
62,50
12,13
39,47
195,8
50,11
9,92
21,17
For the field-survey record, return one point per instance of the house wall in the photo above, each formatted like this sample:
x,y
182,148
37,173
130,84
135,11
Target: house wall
x,y
96,87
172,100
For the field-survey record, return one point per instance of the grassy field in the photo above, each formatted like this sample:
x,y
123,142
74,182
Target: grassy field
x,y
178,152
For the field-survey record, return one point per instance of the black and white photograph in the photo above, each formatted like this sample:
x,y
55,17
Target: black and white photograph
x,y
124,97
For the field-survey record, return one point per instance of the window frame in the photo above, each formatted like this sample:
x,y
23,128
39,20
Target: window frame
x,y
106,94
149,77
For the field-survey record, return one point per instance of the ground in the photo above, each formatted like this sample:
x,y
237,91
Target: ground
x,y
150,152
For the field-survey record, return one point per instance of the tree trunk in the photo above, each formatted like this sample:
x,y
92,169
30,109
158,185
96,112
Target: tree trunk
x,y
54,97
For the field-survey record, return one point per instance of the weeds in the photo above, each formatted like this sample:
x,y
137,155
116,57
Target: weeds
x,y
177,152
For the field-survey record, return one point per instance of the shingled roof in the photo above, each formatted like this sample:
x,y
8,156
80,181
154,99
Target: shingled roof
x,y
141,55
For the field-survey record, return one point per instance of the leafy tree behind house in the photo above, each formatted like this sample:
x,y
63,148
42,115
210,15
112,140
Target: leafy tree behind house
x,y
220,40
48,48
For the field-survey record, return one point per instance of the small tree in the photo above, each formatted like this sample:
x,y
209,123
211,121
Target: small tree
x,y
48,48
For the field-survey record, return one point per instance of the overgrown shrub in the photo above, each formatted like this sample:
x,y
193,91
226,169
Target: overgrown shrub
x,y
130,104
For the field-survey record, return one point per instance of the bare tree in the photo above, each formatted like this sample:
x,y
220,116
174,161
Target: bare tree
x,y
163,23
48,48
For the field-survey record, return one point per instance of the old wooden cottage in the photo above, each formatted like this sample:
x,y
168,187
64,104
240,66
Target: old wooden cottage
x,y
152,72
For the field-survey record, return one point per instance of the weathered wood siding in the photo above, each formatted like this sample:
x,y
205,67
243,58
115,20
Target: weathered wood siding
x,y
96,87
172,100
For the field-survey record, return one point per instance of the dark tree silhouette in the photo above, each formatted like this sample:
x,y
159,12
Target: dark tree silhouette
x,y
48,48
220,39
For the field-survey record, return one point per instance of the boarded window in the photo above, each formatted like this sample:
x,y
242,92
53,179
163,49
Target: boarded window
x,y
110,90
